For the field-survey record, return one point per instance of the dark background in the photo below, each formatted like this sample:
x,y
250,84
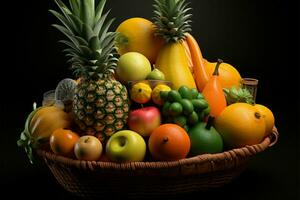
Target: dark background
x,y
259,38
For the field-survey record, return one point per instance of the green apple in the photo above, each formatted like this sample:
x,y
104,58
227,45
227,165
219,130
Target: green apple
x,y
88,148
156,74
133,66
126,146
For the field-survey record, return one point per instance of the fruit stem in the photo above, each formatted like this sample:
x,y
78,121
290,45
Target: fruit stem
x,y
209,122
165,140
86,140
257,115
216,72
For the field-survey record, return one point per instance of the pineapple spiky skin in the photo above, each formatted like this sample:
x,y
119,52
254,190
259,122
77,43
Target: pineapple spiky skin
x,y
101,107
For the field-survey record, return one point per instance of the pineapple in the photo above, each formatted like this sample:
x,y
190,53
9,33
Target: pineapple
x,y
172,20
100,104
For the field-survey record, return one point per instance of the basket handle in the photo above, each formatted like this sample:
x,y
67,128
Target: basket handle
x,y
273,137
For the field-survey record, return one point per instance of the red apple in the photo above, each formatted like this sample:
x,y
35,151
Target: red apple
x,y
144,120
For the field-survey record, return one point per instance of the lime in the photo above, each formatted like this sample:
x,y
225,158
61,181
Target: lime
x,y
180,120
200,96
194,93
206,111
193,118
164,95
185,92
187,106
174,96
165,109
199,104
175,109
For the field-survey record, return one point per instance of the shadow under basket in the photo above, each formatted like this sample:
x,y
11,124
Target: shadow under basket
x,y
149,179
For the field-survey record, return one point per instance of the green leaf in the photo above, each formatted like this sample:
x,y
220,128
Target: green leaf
x,y
67,33
103,32
88,12
94,43
87,32
99,10
99,24
75,6
63,20
71,45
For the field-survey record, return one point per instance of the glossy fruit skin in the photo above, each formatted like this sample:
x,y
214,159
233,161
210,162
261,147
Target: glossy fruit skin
x,y
169,142
126,146
46,120
141,93
172,61
229,76
240,124
144,120
156,93
88,147
267,116
155,74
141,38
133,66
205,140
62,142
213,93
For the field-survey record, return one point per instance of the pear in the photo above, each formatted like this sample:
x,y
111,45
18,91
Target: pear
x,y
156,74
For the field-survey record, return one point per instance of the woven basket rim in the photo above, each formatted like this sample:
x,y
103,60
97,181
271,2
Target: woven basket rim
x,y
238,153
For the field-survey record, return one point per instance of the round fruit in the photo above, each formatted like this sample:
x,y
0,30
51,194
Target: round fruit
x,y
194,93
62,142
205,140
46,120
133,66
174,96
193,118
88,147
267,116
229,76
240,124
187,106
141,93
126,146
157,93
175,109
185,92
138,35
169,142
199,104
156,74
165,109
180,120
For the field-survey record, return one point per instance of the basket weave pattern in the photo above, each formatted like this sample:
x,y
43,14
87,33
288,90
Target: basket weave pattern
x,y
94,179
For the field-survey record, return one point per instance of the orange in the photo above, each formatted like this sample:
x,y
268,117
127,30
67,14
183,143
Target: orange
x,y
62,142
240,124
137,35
267,116
229,76
169,142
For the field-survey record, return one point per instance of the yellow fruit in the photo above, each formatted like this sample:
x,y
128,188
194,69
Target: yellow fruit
x,y
141,92
137,35
172,61
267,116
46,120
240,124
156,93
229,76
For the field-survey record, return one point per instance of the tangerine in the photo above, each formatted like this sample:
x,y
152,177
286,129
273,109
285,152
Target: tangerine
x,y
267,116
62,142
169,142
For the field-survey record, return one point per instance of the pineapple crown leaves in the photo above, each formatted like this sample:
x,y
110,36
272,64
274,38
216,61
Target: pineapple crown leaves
x,y
172,19
90,46
235,95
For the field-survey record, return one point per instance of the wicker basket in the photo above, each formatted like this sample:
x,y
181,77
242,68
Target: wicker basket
x,y
138,179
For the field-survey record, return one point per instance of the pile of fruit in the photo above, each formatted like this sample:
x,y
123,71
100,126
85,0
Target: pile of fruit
x,y
142,93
